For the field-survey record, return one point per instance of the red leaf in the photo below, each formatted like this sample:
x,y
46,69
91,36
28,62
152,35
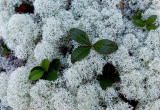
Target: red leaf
x,y
25,8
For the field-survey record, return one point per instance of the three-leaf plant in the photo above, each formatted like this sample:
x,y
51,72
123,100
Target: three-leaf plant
x,y
47,70
5,49
137,20
109,76
104,46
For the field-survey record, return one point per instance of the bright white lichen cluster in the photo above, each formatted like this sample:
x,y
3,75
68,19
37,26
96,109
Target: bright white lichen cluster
x,y
137,59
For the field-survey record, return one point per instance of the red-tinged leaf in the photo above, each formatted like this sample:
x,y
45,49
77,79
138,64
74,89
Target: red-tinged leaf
x,y
25,8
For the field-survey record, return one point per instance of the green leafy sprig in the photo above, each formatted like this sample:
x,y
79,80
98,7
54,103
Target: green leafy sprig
x,y
5,49
137,20
109,76
47,70
104,46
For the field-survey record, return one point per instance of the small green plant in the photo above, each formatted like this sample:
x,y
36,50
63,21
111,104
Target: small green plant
x,y
137,20
109,76
5,49
47,70
104,46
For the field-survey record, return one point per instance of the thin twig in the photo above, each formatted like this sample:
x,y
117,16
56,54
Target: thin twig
x,y
122,5
53,90
31,58
5,2
115,83
31,108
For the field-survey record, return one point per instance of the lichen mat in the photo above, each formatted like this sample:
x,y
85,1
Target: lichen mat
x,y
41,32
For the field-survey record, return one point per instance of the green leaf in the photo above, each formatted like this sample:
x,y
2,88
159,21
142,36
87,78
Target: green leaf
x,y
105,83
108,71
37,68
56,64
151,19
139,23
151,27
3,45
109,76
36,74
79,36
51,75
116,78
99,77
5,51
139,14
135,17
79,53
45,64
8,50
105,46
